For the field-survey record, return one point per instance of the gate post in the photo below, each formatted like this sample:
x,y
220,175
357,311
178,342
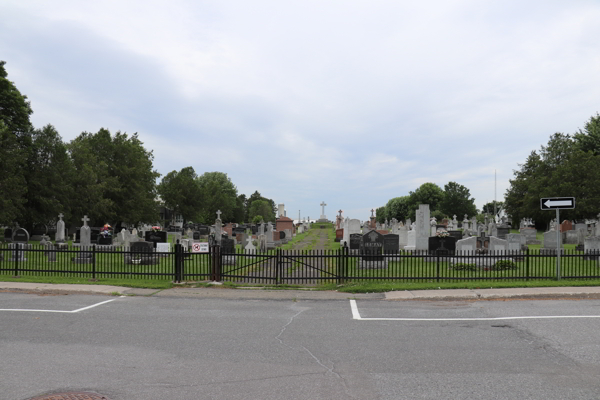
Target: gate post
x,y
178,262
277,266
215,274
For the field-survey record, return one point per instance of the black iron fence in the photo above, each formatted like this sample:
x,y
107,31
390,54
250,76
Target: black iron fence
x,y
278,266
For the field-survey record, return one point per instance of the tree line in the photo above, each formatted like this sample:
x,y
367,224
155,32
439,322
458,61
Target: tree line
x,y
109,177
567,166
454,199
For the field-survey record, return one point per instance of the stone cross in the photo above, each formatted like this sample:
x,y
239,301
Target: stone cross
x,y
372,211
219,214
85,220
60,216
482,240
340,211
323,207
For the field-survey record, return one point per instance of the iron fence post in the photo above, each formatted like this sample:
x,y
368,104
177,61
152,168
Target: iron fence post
x,y
16,257
527,264
178,262
93,261
277,266
437,258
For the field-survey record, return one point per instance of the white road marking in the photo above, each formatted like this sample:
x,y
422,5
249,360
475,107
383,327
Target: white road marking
x,y
60,311
356,315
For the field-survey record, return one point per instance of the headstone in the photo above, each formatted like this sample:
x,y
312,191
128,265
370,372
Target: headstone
x,y
372,246
141,253
422,227
530,235
501,231
355,241
566,226
218,228
402,236
455,234
51,251
269,236
156,237
163,248
8,234
21,236
466,246
250,246
497,245
581,226
391,244
442,245
339,234
85,233
60,229
411,240
550,243
38,231
516,242
591,248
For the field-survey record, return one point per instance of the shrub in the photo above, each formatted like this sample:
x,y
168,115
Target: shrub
x,y
464,267
504,265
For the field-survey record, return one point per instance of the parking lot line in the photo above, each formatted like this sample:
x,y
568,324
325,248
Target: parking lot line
x,y
356,315
60,311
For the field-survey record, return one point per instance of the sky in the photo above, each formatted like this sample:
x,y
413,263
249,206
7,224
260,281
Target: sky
x,y
347,102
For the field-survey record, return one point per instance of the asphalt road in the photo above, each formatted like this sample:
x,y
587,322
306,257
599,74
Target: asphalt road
x,y
135,348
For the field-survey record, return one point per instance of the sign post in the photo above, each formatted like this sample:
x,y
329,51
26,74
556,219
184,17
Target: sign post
x,y
556,203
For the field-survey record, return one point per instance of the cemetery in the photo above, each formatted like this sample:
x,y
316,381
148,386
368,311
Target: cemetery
x,y
347,250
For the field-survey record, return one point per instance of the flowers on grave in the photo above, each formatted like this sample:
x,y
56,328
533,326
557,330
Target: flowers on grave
x,y
156,228
105,230
442,234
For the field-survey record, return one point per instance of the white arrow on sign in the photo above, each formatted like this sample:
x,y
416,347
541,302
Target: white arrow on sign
x,y
558,203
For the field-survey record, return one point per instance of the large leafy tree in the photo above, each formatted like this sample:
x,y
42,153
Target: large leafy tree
x,y
427,193
257,196
218,193
457,201
181,193
49,172
564,167
114,178
261,209
588,139
15,138
398,208
488,208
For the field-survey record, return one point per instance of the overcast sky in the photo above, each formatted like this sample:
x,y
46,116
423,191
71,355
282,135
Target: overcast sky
x,y
347,102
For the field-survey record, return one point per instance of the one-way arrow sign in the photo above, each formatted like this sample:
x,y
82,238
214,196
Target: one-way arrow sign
x,y
554,203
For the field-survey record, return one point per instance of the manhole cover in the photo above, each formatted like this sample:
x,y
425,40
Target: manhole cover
x,y
71,396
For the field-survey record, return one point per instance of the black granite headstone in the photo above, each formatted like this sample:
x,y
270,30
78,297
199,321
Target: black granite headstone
x,y
442,246
156,237
8,232
391,243
355,241
281,235
372,246
204,230
196,235
227,245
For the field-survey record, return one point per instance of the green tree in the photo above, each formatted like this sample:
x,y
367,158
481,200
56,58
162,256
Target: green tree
x,y
380,214
181,193
261,208
218,193
488,208
257,196
114,178
49,174
427,193
239,214
15,138
457,201
398,208
589,138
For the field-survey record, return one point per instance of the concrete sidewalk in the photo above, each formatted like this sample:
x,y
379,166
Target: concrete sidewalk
x,y
274,294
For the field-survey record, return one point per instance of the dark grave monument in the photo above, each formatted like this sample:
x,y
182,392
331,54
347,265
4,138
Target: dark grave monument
x,y
339,234
38,231
141,253
196,235
502,231
355,241
456,234
391,243
8,233
20,242
372,249
95,232
156,237
442,245
21,236
483,243
281,235
204,230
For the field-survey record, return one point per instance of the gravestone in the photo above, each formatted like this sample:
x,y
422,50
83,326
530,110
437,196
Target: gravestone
x,y
8,234
402,236
339,234
550,243
372,243
456,234
59,237
218,228
21,236
228,251
442,245
581,226
391,244
38,231
466,246
203,230
141,253
85,233
156,237
411,240
163,248
572,236
196,235
105,239
250,248
355,241
530,235
497,246
270,243
50,252
483,243
516,242
422,228
20,243
566,226
591,248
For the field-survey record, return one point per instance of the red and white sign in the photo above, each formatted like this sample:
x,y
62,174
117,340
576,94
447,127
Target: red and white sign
x,y
200,247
